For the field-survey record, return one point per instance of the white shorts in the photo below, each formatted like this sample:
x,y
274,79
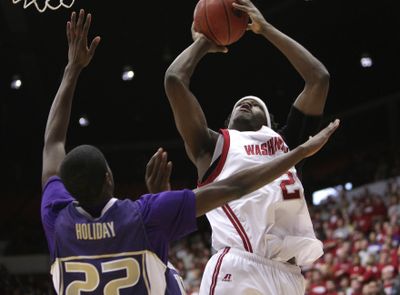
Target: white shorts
x,y
235,272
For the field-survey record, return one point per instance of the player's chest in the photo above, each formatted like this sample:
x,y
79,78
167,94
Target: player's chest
x,y
256,146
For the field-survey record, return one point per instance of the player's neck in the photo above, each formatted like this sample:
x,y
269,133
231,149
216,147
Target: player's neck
x,y
95,209
245,126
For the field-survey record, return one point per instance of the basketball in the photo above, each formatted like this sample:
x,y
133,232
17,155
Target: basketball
x,y
219,21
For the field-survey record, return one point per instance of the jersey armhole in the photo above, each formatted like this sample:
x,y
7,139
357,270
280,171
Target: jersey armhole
x,y
211,173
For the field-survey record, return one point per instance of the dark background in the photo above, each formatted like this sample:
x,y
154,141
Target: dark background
x,y
130,120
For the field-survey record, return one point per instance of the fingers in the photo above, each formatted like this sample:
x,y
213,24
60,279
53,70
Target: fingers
x,y
314,144
73,22
68,32
80,21
168,171
94,45
240,7
223,49
242,2
86,26
331,128
81,25
161,168
150,167
158,172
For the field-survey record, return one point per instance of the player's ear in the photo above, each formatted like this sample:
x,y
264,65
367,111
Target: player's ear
x,y
109,179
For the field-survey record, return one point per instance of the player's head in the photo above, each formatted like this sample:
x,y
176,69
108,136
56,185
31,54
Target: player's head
x,y
249,113
87,176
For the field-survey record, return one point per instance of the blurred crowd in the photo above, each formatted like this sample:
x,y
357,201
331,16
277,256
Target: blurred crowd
x,y
361,239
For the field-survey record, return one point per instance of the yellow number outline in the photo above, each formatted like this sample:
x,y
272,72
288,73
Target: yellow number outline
x,y
115,286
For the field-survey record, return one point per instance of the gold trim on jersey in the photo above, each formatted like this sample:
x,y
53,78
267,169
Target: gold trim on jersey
x,y
59,261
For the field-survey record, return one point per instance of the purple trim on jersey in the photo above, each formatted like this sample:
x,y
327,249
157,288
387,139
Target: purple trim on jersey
x,y
168,216
54,198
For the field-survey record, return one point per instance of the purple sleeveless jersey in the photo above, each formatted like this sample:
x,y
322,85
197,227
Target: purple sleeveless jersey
x,y
124,251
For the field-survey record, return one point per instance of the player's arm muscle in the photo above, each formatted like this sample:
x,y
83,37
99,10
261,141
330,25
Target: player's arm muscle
x,y
57,124
311,100
218,193
188,114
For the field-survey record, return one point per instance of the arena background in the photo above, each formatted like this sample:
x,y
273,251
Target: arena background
x,y
358,41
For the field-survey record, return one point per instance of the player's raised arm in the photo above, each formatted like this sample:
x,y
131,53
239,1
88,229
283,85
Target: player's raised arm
x,y
219,193
79,56
311,100
188,114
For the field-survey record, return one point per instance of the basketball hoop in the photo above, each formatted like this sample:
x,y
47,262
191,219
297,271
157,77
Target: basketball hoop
x,y
46,5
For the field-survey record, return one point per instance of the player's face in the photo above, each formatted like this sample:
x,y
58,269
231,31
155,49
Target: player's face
x,y
248,112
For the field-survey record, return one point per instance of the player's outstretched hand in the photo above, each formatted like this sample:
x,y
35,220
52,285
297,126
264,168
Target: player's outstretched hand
x,y
79,54
213,48
158,172
257,19
315,143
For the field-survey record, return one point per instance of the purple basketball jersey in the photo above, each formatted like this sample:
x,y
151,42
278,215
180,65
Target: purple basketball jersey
x,y
124,251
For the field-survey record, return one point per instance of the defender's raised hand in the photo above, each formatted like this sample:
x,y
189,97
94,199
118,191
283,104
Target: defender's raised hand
x,y
79,54
257,19
158,172
315,143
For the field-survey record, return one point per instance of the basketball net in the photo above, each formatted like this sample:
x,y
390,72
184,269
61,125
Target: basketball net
x,y
47,4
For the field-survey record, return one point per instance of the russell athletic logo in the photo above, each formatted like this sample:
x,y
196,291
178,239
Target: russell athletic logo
x,y
227,278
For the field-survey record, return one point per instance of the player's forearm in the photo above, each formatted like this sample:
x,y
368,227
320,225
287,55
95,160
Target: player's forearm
x,y
310,68
246,181
59,116
253,178
184,65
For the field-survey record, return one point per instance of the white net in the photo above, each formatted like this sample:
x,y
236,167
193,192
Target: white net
x,y
42,7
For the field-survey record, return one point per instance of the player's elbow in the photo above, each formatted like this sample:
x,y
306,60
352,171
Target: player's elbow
x,y
324,76
321,76
174,77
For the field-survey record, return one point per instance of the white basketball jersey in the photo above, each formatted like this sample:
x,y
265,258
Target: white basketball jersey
x,y
272,222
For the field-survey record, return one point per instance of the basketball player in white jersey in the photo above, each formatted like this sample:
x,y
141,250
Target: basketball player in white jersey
x,y
263,238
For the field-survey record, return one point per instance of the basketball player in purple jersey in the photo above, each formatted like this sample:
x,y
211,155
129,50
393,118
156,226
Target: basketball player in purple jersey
x,y
268,225
101,245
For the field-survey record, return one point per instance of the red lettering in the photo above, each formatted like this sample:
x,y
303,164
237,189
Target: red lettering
x,y
276,144
270,147
249,149
279,143
264,150
258,151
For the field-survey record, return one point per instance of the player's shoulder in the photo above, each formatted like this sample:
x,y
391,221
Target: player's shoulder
x,y
53,182
166,198
127,204
166,194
